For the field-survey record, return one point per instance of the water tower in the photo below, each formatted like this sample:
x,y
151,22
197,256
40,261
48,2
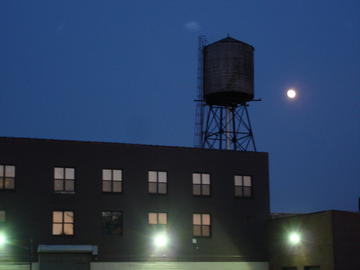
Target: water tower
x,y
225,88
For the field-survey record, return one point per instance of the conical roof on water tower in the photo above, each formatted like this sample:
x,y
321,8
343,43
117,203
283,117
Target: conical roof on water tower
x,y
228,72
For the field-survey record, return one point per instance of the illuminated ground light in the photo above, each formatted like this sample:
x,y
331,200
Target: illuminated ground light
x,y
294,238
161,240
2,239
291,93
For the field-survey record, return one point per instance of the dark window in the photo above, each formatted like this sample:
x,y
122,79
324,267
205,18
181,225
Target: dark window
x,y
112,222
112,180
157,182
64,180
7,177
312,267
243,186
63,223
201,184
201,225
155,218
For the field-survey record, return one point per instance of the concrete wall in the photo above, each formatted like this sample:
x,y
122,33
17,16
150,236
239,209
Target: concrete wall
x,y
181,266
238,224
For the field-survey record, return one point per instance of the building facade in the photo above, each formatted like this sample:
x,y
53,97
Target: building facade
x,y
327,240
134,206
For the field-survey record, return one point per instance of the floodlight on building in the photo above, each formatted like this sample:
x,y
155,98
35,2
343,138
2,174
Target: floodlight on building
x,y
160,240
294,238
2,239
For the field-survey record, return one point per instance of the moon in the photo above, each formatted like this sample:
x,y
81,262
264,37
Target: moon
x,y
291,93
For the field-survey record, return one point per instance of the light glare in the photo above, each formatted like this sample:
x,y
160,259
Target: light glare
x,y
294,238
161,240
2,239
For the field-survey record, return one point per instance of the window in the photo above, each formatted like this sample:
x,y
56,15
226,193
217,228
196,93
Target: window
x,y
201,184
157,218
201,225
63,223
112,222
312,267
64,180
111,180
289,268
157,182
7,177
2,216
243,186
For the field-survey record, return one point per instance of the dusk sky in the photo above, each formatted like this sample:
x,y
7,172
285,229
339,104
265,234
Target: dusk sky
x,y
125,71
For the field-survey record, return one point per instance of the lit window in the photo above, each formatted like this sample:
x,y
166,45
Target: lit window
x,y
112,222
64,180
7,177
111,180
157,218
63,223
243,186
157,182
201,184
2,216
201,225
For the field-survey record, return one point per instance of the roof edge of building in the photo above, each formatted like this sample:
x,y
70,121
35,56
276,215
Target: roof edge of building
x,y
28,139
275,216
